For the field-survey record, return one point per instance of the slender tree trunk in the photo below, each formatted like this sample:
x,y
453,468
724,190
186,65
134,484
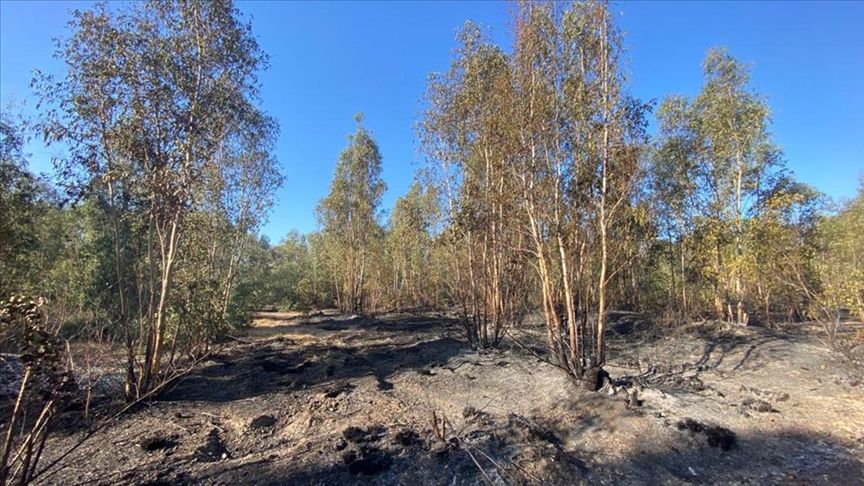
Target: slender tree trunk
x,y
233,265
130,389
601,305
739,292
169,254
673,289
683,282
361,291
718,270
11,430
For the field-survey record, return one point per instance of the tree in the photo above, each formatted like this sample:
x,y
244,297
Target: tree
x,y
240,189
839,262
349,216
548,135
782,241
20,192
673,192
579,170
467,135
152,93
409,242
721,143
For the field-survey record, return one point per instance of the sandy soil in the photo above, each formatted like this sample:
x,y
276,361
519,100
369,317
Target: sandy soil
x,y
328,399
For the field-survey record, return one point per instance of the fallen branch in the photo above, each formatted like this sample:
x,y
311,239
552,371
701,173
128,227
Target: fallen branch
x,y
479,467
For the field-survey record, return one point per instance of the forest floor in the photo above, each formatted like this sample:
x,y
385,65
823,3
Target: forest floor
x,y
328,399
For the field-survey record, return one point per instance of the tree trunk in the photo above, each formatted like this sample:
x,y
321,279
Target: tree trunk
x,y
601,285
157,334
592,378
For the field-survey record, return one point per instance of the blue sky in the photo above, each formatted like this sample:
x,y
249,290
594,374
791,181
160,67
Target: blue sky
x,y
332,60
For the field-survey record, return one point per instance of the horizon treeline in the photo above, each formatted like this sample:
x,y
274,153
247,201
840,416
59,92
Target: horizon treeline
x,y
542,192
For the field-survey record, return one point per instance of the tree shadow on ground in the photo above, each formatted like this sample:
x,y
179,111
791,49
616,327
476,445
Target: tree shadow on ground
x,y
662,358
793,456
627,333
352,348
525,450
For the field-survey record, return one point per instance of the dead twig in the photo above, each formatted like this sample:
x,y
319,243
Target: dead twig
x,y
530,476
479,467
439,426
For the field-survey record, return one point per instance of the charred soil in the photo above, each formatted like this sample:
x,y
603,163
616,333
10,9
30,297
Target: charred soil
x,y
401,399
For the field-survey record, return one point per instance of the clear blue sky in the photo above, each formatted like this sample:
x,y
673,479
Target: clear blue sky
x,y
332,60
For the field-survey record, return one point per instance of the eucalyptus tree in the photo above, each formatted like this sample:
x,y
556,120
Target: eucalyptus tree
x,y
721,142
538,159
315,289
467,135
839,263
239,191
19,195
409,243
295,276
673,194
151,92
581,139
349,216
235,194
42,248
782,241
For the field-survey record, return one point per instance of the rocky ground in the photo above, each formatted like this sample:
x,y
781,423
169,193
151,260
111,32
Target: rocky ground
x,y
400,399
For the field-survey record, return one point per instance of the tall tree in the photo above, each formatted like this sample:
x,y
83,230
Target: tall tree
x,y
467,135
19,196
782,241
409,242
152,90
721,142
349,215
547,134
581,137
840,261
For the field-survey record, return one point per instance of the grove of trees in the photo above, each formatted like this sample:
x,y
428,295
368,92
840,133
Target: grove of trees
x,y
543,192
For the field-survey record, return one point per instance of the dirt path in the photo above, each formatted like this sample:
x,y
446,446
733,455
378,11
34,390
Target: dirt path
x,y
332,400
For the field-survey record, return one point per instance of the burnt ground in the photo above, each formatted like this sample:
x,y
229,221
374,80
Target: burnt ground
x,y
339,400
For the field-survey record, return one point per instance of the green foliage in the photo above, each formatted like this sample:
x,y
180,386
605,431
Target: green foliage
x,y
782,239
468,138
19,209
714,165
538,159
158,109
292,266
840,261
409,245
349,217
